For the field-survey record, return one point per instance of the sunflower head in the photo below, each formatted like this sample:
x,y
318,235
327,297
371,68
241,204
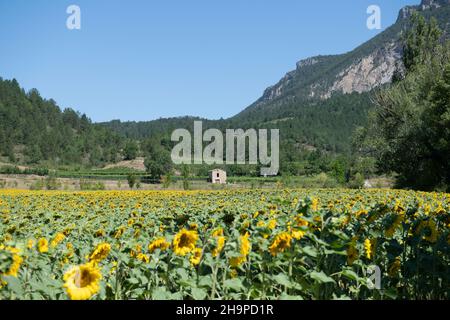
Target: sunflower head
x,y
196,256
82,282
100,253
30,243
244,250
368,248
160,244
315,204
272,224
10,261
220,243
143,257
428,230
193,226
42,245
281,242
58,239
297,234
184,242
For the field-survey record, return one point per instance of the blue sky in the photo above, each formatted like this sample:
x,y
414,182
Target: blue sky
x,y
145,59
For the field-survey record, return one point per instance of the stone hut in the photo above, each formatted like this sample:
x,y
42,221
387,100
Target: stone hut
x,y
217,176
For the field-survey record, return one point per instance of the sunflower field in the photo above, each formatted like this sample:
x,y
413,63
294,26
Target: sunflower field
x,y
228,244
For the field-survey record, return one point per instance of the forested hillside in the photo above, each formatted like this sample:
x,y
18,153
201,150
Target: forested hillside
x,y
35,130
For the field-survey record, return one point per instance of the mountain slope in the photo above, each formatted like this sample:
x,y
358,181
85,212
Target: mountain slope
x,y
368,66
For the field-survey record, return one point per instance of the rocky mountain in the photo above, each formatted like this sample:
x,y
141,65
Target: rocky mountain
x,y
361,70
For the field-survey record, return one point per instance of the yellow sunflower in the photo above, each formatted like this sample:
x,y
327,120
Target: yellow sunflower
x,y
42,245
300,221
119,232
143,257
368,248
16,261
393,227
58,239
220,242
315,204
260,224
193,226
281,243
196,256
82,282
30,244
429,231
160,244
100,253
297,234
245,247
272,224
184,242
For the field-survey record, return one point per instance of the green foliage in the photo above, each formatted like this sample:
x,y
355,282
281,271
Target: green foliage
x,y
87,185
339,169
49,183
131,150
167,179
420,42
17,170
157,162
131,178
52,183
357,181
409,130
37,185
45,133
185,174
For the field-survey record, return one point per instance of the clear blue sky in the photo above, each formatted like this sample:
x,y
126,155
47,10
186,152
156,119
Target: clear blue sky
x,y
145,59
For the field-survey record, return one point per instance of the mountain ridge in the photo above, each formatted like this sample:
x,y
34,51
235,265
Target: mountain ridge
x,y
362,69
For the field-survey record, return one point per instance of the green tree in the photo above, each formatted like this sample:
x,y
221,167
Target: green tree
x,y
339,169
158,162
409,129
130,150
185,172
131,178
420,42
357,181
167,179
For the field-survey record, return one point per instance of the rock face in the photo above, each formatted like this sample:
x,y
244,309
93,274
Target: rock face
x,y
424,5
428,4
307,62
362,75
371,71
275,91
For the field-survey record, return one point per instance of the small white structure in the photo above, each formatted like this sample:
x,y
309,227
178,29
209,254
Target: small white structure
x,y
217,176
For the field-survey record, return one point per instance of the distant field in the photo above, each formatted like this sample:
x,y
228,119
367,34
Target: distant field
x,y
116,179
